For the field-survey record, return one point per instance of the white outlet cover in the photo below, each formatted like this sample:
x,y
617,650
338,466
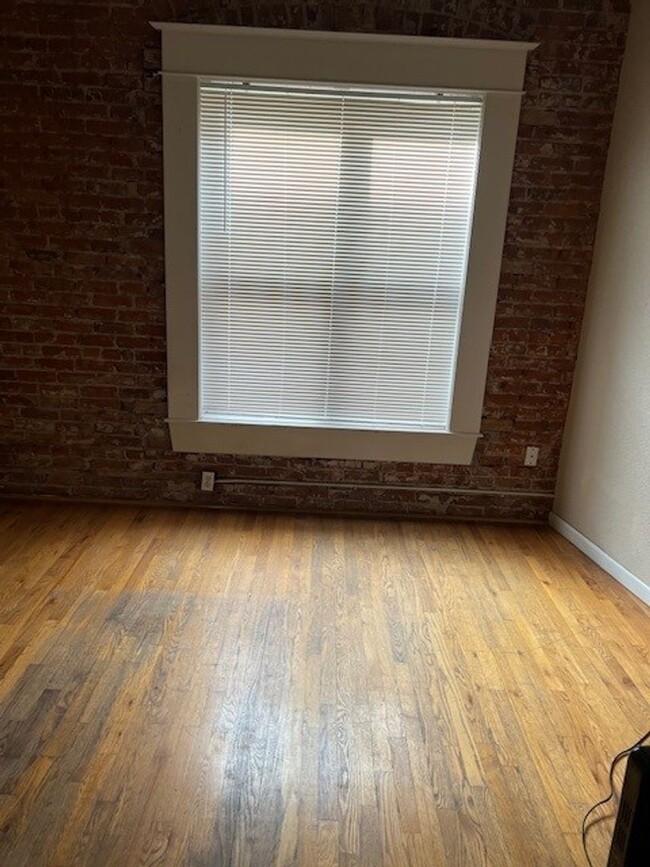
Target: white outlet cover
x,y
207,481
532,456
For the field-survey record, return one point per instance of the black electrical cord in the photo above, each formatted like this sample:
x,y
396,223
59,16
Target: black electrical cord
x,y
617,758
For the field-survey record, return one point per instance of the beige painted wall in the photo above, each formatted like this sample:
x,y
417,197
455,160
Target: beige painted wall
x,y
604,482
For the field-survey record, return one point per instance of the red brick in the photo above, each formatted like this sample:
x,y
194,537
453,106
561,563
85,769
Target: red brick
x,y
82,340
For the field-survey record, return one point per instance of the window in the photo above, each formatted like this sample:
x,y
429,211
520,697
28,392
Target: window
x,y
330,283
333,238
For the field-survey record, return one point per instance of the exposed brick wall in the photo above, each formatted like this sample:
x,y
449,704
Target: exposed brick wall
x,y
82,338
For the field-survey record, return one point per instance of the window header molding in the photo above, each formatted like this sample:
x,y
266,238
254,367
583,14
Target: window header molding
x,y
350,58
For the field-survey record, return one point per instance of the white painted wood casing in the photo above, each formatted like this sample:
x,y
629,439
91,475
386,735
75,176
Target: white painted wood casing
x,y
493,69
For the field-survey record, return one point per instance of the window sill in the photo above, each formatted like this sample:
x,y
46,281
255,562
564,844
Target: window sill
x,y
309,442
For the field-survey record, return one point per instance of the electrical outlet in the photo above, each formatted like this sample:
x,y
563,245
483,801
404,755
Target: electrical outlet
x,y
532,456
207,481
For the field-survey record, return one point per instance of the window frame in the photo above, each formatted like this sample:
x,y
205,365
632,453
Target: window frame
x,y
495,70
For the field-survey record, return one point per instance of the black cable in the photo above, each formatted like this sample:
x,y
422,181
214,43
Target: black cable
x,y
617,758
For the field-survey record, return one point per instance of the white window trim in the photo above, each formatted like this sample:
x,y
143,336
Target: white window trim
x,y
494,69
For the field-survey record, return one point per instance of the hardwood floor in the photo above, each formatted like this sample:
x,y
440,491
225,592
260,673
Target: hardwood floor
x,y
196,688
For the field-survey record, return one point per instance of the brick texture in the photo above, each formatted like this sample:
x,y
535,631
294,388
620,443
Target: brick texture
x,y
82,336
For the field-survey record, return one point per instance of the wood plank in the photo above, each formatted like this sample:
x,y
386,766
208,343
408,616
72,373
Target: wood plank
x,y
200,688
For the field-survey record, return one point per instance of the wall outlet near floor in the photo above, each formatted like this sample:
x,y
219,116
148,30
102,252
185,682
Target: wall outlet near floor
x,y
207,481
532,456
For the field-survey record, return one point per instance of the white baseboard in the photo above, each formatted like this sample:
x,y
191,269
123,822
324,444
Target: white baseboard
x,y
601,558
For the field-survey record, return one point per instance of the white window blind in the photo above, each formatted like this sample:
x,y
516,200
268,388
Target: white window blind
x,y
333,233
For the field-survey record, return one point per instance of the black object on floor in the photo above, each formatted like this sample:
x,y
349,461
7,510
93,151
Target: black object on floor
x,y
631,839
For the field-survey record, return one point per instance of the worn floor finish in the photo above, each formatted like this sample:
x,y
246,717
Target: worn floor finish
x,y
195,688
